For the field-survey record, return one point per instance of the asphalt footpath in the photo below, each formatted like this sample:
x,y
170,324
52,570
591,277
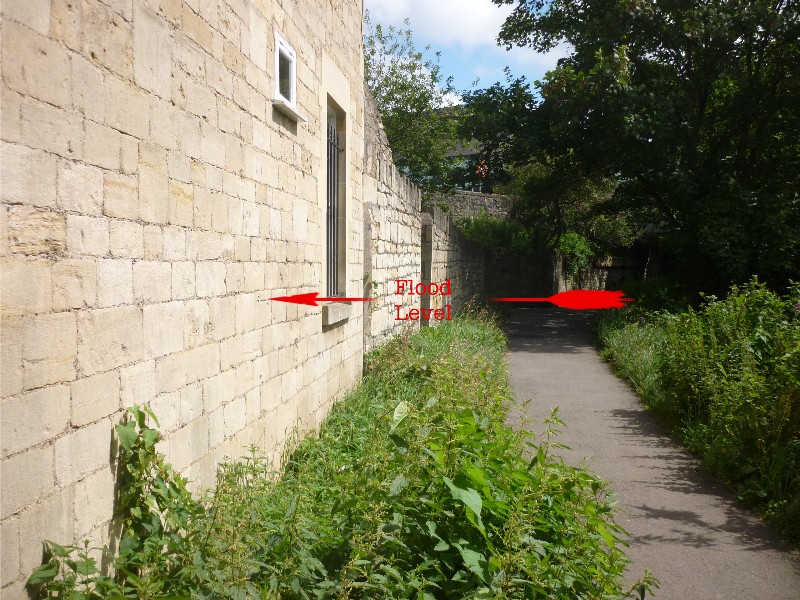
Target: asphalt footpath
x,y
685,526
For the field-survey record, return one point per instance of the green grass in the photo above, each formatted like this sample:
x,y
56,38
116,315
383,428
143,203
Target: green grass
x,y
727,379
414,488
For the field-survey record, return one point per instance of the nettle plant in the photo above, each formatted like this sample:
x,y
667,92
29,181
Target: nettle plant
x,y
414,488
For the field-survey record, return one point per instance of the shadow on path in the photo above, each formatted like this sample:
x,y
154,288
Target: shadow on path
x,y
684,525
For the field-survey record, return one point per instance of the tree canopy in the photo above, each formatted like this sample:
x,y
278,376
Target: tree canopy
x,y
691,107
411,94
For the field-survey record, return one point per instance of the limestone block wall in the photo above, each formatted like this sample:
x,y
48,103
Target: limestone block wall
x,y
153,199
392,235
403,241
455,258
465,203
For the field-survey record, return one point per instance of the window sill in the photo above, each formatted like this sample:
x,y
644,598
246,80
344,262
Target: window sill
x,y
335,312
288,110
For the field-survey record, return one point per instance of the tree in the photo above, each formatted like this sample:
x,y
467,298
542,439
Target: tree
x,y
691,107
412,98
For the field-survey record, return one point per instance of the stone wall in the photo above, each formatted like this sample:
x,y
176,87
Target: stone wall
x,y
153,200
455,258
392,234
403,242
464,203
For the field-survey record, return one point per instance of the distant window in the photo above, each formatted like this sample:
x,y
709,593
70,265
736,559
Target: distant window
x,y
335,227
285,71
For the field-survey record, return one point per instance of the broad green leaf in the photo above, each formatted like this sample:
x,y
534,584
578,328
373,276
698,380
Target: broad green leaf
x,y
150,437
397,485
47,572
471,499
401,443
475,562
605,535
400,414
127,435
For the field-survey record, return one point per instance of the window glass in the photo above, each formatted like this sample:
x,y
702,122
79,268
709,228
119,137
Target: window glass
x,y
285,76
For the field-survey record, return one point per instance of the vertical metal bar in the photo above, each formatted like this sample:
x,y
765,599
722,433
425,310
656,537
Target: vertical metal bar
x,y
333,202
330,210
335,210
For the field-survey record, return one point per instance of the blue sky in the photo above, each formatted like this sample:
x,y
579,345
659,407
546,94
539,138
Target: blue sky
x,y
464,31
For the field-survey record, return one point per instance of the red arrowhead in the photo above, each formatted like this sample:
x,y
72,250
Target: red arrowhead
x,y
579,299
309,299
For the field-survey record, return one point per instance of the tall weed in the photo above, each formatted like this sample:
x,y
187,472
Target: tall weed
x,y
728,377
413,488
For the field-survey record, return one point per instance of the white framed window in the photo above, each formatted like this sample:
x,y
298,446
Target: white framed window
x,y
285,98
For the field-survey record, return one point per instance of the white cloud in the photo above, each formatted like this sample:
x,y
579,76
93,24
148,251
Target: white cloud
x,y
467,24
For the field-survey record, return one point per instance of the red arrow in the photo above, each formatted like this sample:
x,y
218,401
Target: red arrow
x,y
311,299
579,299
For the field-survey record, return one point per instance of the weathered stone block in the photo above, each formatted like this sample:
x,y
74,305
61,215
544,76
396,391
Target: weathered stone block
x,y
152,57
219,390
74,284
11,115
26,284
152,281
129,154
127,107
80,188
223,317
188,444
87,89
153,242
29,176
87,236
196,323
177,370
197,28
94,499
126,239
34,417
107,38
34,14
114,282
66,23
181,203
84,450
50,128
94,398
109,338
138,383
235,416
121,196
210,279
51,519
163,329
212,145
26,478
36,231
9,539
102,147
182,280
34,65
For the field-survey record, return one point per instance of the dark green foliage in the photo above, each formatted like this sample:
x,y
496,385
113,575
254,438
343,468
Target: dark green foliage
x,y
727,376
414,488
502,235
690,108
411,95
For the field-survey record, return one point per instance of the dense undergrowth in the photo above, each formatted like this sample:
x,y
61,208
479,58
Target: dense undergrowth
x,y
727,378
414,488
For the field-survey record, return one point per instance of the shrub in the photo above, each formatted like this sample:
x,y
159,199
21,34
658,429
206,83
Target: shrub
x,y
728,377
414,488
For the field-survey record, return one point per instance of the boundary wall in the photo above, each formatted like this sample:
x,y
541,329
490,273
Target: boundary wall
x,y
154,198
